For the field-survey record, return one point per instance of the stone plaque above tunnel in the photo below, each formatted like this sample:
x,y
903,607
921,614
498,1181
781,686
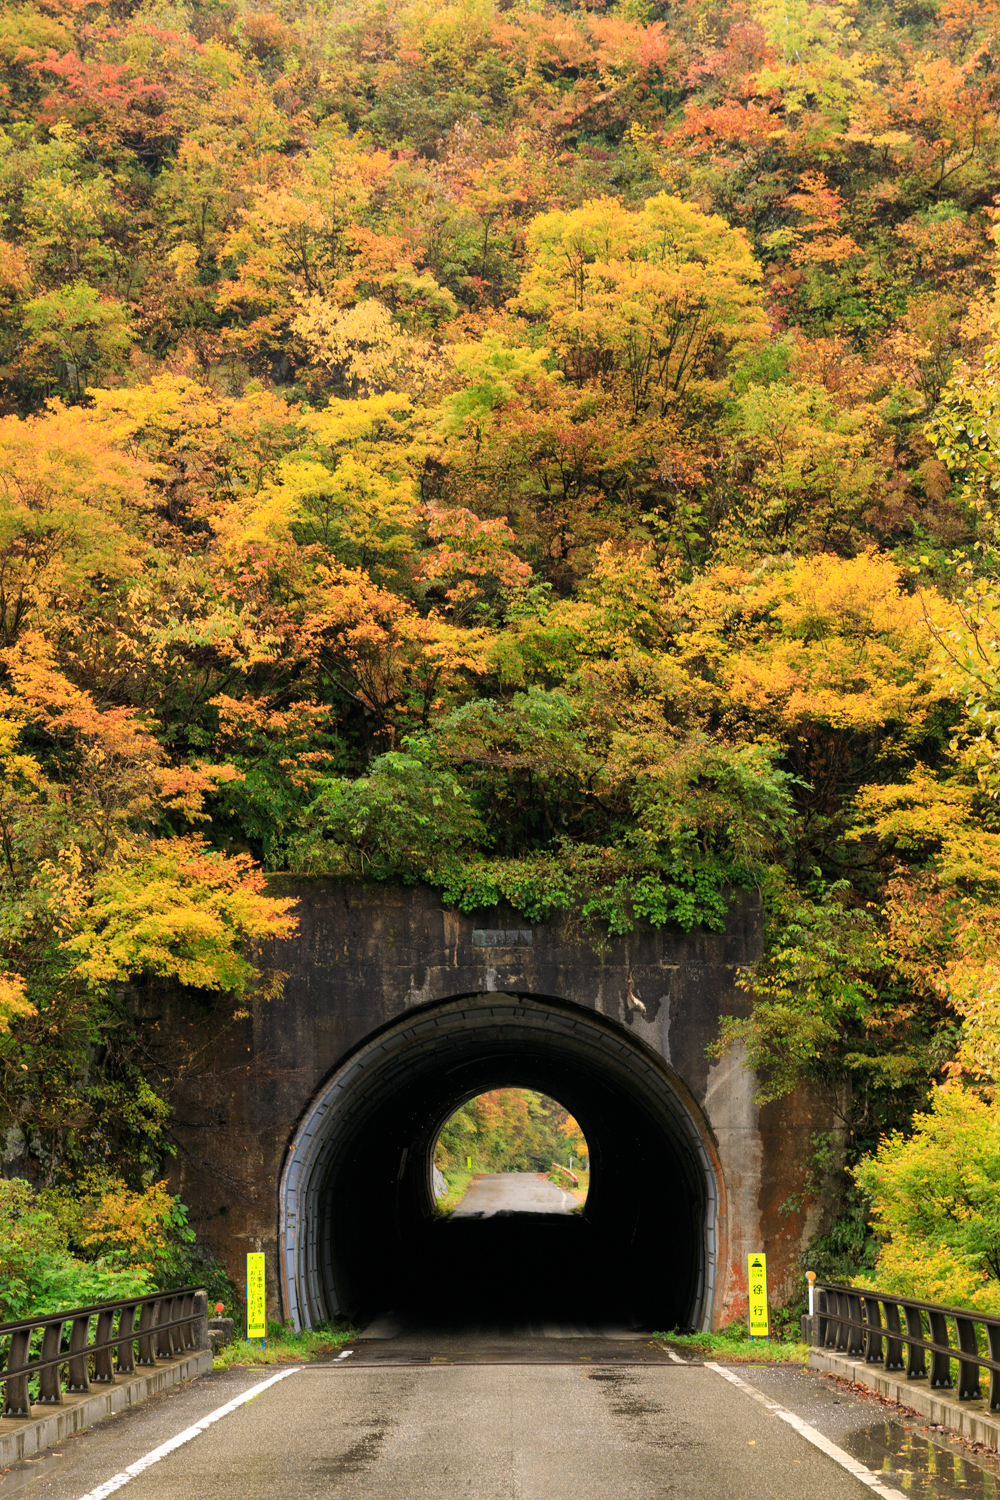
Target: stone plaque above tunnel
x,y
502,937
366,957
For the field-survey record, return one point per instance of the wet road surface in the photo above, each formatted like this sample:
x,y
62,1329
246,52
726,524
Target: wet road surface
x,y
620,1421
513,1193
902,1451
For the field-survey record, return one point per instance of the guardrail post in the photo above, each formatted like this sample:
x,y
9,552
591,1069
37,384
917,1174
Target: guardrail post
x,y
79,1374
968,1370
125,1348
873,1335
17,1402
164,1341
841,1332
855,1336
178,1335
182,1306
993,1334
50,1377
940,1363
894,1342
822,1333
198,1327
103,1371
147,1320
916,1365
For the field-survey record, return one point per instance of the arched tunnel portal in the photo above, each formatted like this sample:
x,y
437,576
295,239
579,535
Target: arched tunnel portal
x,y
358,1229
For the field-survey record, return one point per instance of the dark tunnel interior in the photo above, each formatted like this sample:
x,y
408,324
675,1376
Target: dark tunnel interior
x,y
633,1257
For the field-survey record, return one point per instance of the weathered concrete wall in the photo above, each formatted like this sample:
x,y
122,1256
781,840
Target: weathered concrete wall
x,y
365,955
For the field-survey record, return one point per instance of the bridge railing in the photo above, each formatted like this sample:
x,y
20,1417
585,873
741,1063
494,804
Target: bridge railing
x,y
66,1353
878,1326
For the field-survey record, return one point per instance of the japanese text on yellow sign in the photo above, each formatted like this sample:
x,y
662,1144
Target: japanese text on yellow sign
x,y
757,1266
256,1307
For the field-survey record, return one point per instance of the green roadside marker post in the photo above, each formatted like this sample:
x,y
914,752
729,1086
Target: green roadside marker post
x,y
256,1300
760,1327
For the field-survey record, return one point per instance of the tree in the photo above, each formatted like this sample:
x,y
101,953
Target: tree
x,y
75,338
508,1130
935,1200
644,302
95,893
549,452
69,500
812,68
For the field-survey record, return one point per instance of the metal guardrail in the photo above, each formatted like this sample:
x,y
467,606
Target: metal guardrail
x,y
169,1324
859,1322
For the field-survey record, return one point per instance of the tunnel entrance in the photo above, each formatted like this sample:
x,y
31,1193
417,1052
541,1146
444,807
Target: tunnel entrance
x,y
360,1233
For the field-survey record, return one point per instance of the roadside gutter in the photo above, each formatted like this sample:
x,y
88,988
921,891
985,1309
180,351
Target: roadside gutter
x,y
970,1419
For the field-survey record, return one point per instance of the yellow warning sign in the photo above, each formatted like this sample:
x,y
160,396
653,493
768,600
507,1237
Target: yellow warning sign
x,y
757,1281
256,1304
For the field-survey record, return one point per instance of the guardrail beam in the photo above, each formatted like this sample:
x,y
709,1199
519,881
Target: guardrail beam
x,y
169,1324
862,1321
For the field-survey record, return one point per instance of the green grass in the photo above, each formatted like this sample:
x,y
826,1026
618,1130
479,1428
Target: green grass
x,y
732,1346
582,1188
284,1346
458,1179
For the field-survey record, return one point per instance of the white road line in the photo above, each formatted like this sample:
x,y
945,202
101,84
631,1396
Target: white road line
x,y
146,1462
812,1436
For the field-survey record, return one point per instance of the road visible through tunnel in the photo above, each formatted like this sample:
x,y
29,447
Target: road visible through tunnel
x,y
513,1193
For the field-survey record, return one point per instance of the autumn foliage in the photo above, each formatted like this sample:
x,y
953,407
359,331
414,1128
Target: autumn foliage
x,y
548,451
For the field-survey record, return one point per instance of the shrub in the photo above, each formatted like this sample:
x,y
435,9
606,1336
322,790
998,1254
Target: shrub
x,y
935,1199
64,1247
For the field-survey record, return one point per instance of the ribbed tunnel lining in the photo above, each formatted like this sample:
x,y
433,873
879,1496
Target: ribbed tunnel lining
x,y
358,1232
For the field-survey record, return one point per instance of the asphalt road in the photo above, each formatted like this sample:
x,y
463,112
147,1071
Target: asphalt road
x,y
515,1193
492,1432
573,1430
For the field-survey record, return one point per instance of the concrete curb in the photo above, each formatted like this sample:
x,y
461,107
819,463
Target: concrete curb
x,y
23,1437
971,1419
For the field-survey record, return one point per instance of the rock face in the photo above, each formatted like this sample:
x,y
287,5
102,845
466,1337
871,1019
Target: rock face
x,y
310,1134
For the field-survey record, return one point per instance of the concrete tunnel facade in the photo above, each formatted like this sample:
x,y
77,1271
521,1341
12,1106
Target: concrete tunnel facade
x,y
309,1132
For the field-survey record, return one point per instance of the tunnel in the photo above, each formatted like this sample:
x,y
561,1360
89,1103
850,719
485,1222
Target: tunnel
x,y
360,1235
